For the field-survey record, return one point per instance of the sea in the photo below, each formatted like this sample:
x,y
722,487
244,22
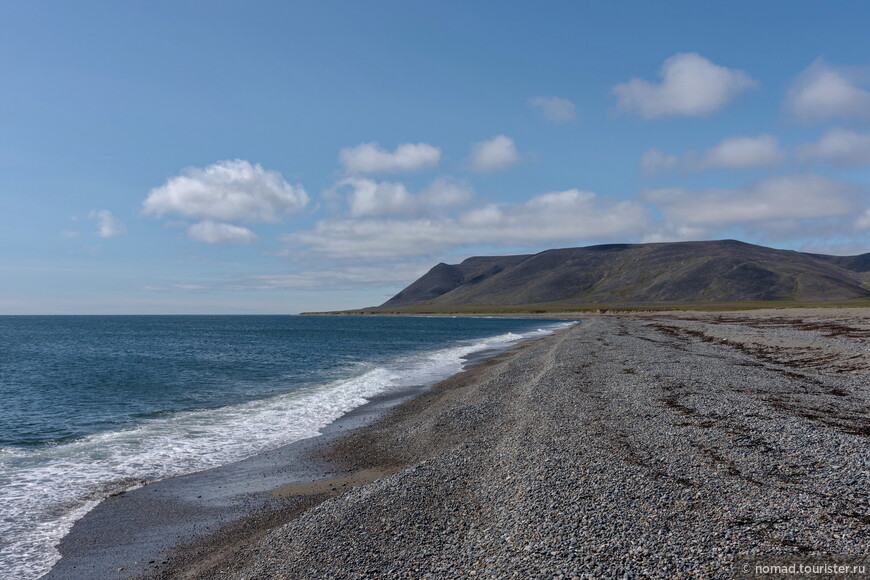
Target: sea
x,y
95,405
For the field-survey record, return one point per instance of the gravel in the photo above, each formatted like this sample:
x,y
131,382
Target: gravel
x,y
623,447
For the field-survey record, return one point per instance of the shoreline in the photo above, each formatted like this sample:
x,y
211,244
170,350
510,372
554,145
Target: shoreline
x,y
164,514
661,446
130,534
646,446
345,467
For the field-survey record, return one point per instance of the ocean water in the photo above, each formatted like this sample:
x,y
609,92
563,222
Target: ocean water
x,y
92,405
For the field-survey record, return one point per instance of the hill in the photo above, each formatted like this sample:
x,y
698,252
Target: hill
x,y
725,271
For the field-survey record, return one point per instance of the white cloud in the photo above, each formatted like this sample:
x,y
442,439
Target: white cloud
x,y
566,217
793,197
227,191
220,233
744,153
371,158
732,153
823,92
841,147
691,86
107,225
495,154
371,198
674,233
653,161
555,109
368,197
446,192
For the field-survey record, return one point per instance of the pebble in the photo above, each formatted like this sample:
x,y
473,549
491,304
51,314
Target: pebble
x,y
555,462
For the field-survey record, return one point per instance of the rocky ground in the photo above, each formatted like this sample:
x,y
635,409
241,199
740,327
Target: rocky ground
x,y
624,447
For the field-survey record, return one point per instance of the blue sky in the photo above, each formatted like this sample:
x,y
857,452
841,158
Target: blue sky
x,y
277,157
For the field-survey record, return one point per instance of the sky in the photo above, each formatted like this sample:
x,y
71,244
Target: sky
x,y
278,157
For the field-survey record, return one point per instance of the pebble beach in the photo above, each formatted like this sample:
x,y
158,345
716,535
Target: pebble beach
x,y
668,446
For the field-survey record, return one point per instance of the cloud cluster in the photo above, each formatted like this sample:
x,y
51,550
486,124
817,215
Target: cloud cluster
x,y
756,152
841,147
556,109
691,86
371,158
446,192
367,197
220,233
565,217
744,153
824,92
777,207
227,191
792,197
108,226
495,154
383,231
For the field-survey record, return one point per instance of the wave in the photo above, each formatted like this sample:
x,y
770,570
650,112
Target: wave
x,y
44,491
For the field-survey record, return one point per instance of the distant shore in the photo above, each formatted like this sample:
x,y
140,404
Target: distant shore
x,y
556,310
661,446
649,445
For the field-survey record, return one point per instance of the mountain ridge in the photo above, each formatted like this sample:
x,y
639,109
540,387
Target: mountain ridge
x,y
641,274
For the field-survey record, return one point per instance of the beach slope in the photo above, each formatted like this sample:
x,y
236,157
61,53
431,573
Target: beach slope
x,y
659,447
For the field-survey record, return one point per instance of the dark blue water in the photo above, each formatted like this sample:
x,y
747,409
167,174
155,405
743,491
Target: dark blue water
x,y
93,404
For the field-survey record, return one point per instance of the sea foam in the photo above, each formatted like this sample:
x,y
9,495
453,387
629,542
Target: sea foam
x,y
43,491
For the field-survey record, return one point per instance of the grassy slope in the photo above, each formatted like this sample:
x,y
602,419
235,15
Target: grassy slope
x,y
668,275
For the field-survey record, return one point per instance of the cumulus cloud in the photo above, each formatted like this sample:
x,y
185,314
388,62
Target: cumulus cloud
x,y
841,147
823,92
371,158
495,154
220,233
792,197
233,190
568,217
368,197
691,86
732,153
446,192
107,225
556,109
744,153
